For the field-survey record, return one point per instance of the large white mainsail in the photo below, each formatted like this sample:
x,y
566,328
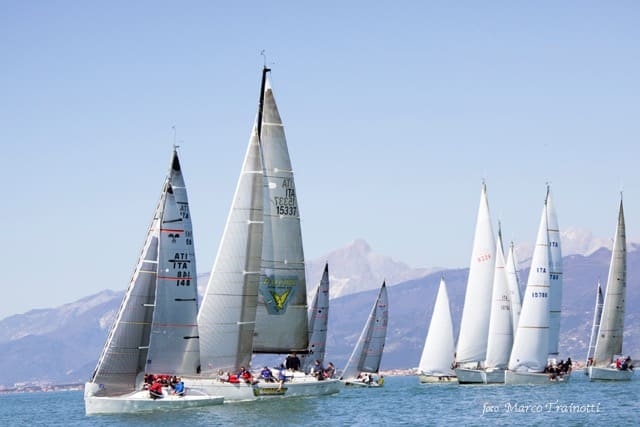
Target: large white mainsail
x,y
513,278
281,317
228,312
318,323
531,343
367,353
438,350
597,315
500,336
555,275
474,326
609,342
155,328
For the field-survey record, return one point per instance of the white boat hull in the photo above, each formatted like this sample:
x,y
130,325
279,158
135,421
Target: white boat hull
x,y
533,378
469,376
437,379
495,376
140,401
300,385
608,374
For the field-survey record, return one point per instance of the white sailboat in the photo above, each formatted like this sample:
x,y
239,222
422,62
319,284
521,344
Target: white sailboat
x,y
155,328
474,326
500,338
438,350
513,278
256,300
318,323
555,276
367,354
531,344
595,326
611,329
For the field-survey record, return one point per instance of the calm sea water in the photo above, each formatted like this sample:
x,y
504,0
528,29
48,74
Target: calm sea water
x,y
402,401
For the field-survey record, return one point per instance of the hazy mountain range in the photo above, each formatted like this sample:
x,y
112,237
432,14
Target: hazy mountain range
x,y
62,345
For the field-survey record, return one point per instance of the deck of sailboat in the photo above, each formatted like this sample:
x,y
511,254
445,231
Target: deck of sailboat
x,y
140,401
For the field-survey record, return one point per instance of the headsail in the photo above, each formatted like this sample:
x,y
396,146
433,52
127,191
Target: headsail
x,y
474,326
437,354
513,278
531,343
500,339
228,312
281,318
597,316
318,322
367,354
555,275
609,342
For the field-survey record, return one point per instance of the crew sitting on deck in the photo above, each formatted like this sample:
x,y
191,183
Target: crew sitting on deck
x,y
330,371
318,370
155,390
282,377
245,376
178,387
267,375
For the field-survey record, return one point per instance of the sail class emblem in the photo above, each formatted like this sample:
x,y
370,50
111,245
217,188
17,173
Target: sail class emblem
x,y
277,292
280,299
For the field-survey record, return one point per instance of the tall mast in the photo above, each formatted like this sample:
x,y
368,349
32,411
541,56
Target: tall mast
x,y
265,70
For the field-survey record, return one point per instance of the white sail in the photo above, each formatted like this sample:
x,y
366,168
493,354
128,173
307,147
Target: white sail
x,y
318,323
595,326
500,339
555,274
531,343
609,342
173,345
228,312
132,342
513,279
474,326
281,318
367,354
438,351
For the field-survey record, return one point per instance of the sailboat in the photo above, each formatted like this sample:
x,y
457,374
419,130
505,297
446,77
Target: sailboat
x,y
611,329
256,299
438,350
318,323
367,354
597,316
513,278
500,338
531,344
474,326
155,328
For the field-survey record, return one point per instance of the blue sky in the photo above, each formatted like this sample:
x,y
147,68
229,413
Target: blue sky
x,y
394,113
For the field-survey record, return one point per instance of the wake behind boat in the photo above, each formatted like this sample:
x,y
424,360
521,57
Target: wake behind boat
x,y
155,328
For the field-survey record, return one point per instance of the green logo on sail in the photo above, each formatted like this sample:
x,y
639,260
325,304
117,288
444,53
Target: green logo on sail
x,y
277,292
